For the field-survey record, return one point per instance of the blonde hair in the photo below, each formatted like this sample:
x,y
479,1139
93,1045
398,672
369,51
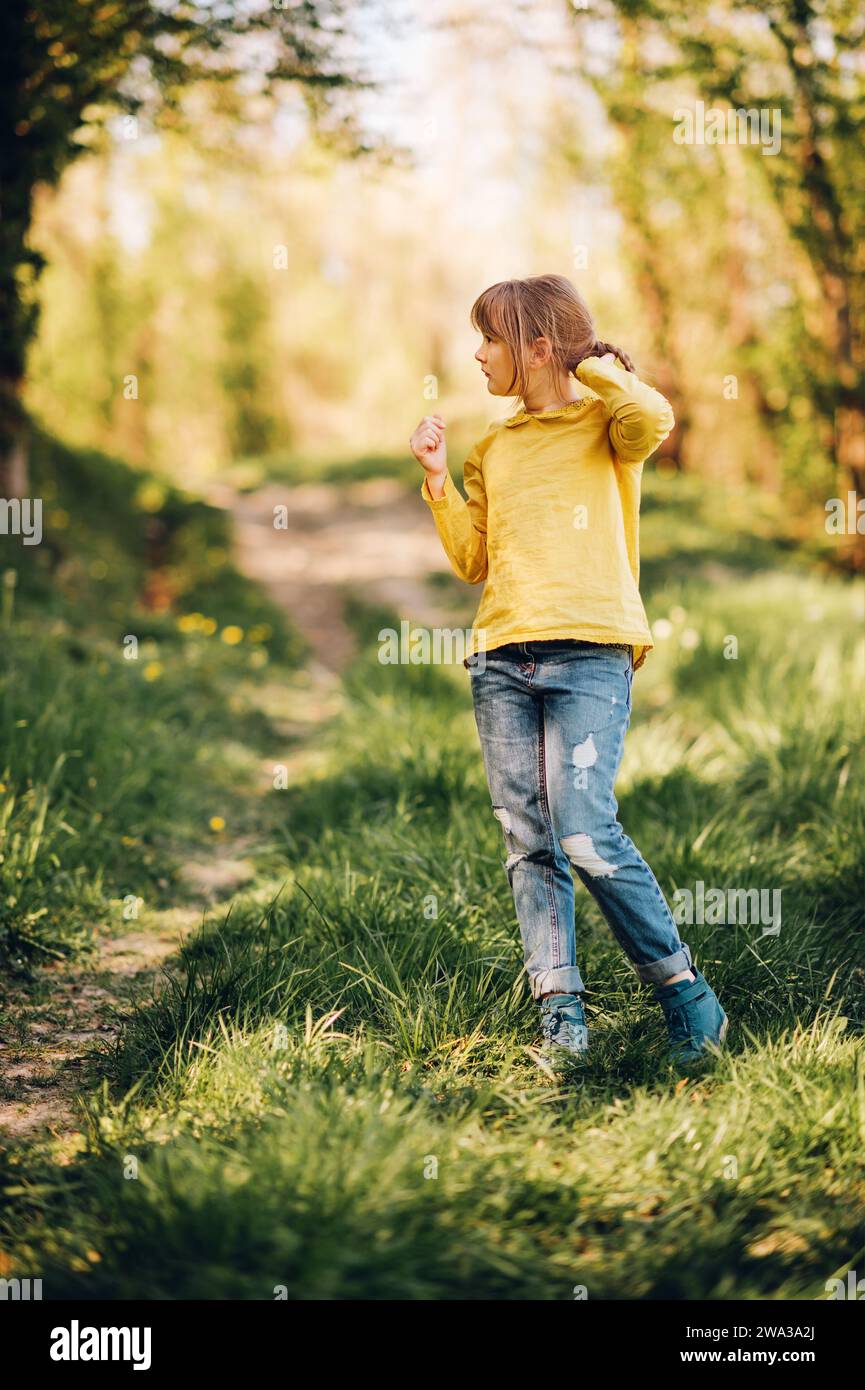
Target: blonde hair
x,y
550,306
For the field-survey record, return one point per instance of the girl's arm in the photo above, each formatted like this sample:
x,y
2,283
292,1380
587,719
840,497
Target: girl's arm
x,y
641,418
462,526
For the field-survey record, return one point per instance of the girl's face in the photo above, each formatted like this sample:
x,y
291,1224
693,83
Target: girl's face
x,y
497,363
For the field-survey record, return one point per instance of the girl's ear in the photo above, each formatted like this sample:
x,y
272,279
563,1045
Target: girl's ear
x,y
541,351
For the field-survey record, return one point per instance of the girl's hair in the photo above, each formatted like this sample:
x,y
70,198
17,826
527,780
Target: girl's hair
x,y
550,306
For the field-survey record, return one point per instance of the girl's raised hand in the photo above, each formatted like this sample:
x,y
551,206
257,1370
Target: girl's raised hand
x,y
428,444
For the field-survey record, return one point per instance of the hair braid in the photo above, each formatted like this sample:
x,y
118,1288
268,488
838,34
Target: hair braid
x,y
600,349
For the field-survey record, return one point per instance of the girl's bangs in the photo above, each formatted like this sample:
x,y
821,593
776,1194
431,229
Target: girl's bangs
x,y
484,316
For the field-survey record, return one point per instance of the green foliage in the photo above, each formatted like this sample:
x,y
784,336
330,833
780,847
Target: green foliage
x,y
68,65
109,766
790,63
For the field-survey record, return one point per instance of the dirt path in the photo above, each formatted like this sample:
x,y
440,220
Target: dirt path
x,y
372,540
66,1015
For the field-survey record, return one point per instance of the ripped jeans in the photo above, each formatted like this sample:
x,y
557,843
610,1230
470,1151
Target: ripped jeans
x,y
552,718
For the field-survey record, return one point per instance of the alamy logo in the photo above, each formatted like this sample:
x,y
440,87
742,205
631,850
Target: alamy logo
x,y
20,1290
76,1343
846,518
720,126
420,646
21,516
728,907
855,1288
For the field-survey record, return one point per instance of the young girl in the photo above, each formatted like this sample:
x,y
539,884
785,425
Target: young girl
x,y
551,524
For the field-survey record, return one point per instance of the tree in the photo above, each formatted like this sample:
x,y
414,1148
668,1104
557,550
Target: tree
x,y
801,58
66,66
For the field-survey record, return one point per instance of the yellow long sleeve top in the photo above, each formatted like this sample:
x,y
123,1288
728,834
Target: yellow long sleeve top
x,y
552,517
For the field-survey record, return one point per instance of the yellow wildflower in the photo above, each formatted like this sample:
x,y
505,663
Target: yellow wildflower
x,y
190,622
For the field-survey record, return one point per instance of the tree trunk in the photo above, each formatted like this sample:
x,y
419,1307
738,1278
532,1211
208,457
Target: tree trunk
x,y
13,470
849,448
14,443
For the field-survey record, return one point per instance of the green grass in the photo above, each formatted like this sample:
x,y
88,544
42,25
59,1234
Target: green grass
x,y
297,469
336,1093
109,767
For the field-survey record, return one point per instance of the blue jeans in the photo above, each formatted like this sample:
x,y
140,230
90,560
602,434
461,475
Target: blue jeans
x,y
552,718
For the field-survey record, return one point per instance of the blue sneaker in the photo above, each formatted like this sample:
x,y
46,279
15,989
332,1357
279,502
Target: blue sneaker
x,y
694,1017
563,1024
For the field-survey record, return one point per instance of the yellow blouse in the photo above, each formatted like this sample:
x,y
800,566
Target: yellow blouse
x,y
552,517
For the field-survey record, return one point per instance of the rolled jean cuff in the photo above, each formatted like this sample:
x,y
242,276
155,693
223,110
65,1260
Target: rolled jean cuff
x,y
565,979
659,970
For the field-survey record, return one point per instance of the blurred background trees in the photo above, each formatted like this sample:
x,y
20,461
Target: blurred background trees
x,y
66,66
803,60
268,293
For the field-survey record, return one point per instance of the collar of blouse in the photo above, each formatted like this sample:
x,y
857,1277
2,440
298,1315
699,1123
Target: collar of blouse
x,y
571,408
